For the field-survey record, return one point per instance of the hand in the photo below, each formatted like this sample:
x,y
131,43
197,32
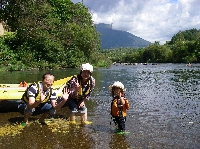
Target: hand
x,y
81,104
120,95
42,95
77,85
65,94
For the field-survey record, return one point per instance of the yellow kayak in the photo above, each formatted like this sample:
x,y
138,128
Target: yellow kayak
x,y
14,92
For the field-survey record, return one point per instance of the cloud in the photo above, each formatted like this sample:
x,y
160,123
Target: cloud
x,y
152,20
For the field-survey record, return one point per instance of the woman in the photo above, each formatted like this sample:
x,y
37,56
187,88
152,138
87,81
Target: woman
x,y
80,87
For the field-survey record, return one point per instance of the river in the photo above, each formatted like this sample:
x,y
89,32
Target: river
x,y
164,111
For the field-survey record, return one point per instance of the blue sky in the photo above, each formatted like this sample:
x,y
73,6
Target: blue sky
x,y
152,20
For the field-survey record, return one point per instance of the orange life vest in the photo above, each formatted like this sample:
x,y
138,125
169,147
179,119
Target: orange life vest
x,y
118,109
23,84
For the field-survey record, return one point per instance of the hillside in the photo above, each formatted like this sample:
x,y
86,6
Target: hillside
x,y
111,38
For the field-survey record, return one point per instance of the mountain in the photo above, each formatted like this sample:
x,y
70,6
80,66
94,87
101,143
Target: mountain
x,y
111,38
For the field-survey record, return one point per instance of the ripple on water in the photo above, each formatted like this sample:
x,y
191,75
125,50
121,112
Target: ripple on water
x,y
164,112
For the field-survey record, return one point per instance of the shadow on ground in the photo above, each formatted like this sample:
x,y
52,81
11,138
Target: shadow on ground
x,y
8,106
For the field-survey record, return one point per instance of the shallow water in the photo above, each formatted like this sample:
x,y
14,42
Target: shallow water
x,y
164,111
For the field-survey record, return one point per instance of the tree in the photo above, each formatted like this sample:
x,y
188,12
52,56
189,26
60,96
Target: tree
x,y
51,30
187,35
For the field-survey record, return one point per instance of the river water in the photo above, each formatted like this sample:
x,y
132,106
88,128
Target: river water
x,y
164,111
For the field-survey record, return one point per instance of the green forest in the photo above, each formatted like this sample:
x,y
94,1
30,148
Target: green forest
x,y
55,34
184,47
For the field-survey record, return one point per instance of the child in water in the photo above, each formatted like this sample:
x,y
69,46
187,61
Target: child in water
x,y
119,105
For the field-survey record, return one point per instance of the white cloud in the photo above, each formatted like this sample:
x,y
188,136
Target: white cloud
x,y
152,20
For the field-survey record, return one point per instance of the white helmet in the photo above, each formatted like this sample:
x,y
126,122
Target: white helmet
x,y
117,84
87,66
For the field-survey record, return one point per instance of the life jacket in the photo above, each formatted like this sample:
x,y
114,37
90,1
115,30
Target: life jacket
x,y
23,84
25,97
81,93
117,109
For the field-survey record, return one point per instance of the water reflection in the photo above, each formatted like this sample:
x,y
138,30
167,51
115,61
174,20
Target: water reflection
x,y
118,142
164,109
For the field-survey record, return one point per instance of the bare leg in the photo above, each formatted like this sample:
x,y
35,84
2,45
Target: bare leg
x,y
45,115
72,116
26,117
84,117
68,113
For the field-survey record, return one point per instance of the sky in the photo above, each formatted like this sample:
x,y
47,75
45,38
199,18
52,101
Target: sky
x,y
151,20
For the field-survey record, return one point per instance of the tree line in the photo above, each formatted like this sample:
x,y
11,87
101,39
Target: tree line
x,y
184,47
48,34
53,34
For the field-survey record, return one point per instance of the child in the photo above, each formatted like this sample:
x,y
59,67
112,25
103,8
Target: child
x,y
119,105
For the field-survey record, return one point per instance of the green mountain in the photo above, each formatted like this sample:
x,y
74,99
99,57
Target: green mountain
x,y
111,38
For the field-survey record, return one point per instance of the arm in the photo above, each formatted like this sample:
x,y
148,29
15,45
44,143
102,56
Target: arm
x,y
31,95
31,103
127,104
87,97
73,86
122,100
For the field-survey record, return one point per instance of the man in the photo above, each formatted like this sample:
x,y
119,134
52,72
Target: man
x,y
40,98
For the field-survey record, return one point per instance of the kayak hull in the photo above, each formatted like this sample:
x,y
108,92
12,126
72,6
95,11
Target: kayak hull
x,y
14,92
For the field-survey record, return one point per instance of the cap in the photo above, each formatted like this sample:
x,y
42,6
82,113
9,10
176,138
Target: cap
x,y
87,66
117,84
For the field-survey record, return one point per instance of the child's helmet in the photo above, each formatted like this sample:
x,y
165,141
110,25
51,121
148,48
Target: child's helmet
x,y
117,84
87,66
